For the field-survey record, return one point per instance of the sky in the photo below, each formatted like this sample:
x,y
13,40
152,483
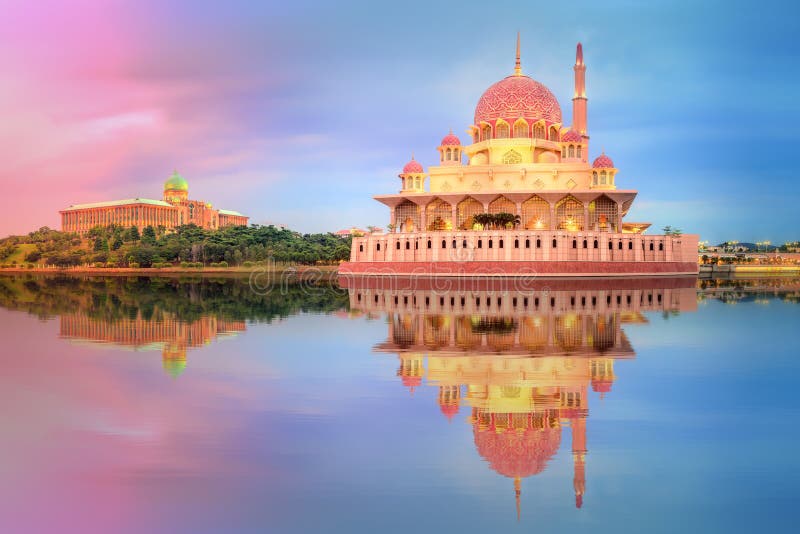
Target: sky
x,y
299,112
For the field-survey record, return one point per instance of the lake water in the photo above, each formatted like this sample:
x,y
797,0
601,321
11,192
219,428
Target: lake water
x,y
179,405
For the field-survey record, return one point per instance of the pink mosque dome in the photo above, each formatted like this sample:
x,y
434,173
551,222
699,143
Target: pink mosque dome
x,y
517,453
572,137
451,140
518,96
603,161
413,167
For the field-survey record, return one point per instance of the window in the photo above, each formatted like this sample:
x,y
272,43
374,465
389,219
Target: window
x,y
538,131
630,245
444,243
418,184
651,245
512,157
594,178
490,243
480,243
486,132
463,244
516,243
449,154
535,214
661,246
454,243
408,245
429,243
361,248
602,177
574,243
500,243
595,243
555,243
578,151
397,245
572,151
378,247
610,245
502,130
585,244
520,129
620,245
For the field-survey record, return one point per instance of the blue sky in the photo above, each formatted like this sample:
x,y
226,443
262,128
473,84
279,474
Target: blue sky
x,y
299,113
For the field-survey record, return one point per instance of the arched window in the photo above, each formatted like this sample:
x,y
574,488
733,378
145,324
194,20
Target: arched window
x,y
456,155
418,184
466,209
486,132
578,151
538,131
563,152
535,214
406,216
502,130
569,214
594,178
502,205
603,215
512,157
449,154
554,134
439,215
602,177
520,128
572,151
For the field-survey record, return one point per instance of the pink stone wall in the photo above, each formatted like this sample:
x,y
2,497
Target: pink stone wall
x,y
527,250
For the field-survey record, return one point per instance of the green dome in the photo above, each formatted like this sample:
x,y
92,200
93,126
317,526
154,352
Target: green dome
x,y
176,182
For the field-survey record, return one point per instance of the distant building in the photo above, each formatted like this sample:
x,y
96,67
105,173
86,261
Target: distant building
x,y
351,231
176,209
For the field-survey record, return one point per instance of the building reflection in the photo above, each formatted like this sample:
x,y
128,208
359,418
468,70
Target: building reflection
x,y
165,333
520,363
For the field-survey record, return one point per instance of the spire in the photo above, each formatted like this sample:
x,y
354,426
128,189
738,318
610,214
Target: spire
x,y
518,65
517,491
579,55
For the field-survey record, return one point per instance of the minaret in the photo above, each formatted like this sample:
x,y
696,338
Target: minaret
x,y
518,64
579,98
579,458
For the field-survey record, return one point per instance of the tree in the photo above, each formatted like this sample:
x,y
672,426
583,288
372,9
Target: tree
x,y
117,243
132,234
149,235
100,244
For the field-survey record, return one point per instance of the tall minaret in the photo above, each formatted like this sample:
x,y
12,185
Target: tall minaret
x,y
579,458
579,99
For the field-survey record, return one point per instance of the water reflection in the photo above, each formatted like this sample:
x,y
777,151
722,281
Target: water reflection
x,y
519,362
170,315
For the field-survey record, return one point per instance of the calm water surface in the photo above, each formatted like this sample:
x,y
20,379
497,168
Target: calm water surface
x,y
138,405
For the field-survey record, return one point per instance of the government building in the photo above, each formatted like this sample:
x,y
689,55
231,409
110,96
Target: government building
x,y
522,196
176,209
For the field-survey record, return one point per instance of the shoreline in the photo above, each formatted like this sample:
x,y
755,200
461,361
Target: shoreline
x,y
328,272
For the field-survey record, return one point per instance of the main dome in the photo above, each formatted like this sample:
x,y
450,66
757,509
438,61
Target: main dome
x,y
518,96
176,182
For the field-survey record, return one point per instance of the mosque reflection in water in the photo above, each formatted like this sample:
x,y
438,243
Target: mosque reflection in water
x,y
520,362
165,333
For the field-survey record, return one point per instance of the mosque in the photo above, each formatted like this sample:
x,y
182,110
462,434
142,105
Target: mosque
x,y
522,196
519,365
176,209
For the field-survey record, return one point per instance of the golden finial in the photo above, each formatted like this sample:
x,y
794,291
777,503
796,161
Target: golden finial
x,y
518,65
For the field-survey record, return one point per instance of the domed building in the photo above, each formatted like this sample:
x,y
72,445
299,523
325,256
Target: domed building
x,y
176,209
522,196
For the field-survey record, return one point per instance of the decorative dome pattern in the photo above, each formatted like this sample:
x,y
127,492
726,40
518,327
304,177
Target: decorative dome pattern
x,y
451,140
572,137
413,167
518,96
603,161
176,182
517,454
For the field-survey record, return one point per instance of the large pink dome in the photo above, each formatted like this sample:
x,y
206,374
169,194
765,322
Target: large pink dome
x,y
518,96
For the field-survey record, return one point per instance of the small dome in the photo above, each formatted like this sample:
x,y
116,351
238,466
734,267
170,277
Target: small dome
x,y
572,137
602,386
449,410
603,161
413,167
451,140
176,182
